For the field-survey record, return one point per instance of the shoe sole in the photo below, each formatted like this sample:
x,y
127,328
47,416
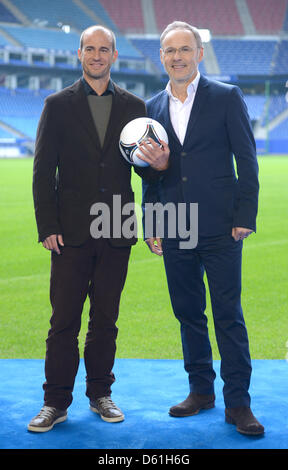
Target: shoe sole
x,y
116,419
206,407
46,428
230,420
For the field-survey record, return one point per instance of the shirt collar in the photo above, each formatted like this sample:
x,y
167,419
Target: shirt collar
x,y
192,88
89,90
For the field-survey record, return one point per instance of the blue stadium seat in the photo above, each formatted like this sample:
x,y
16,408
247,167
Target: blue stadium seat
x,y
281,61
236,56
4,41
101,13
255,105
280,132
6,16
21,109
43,38
5,134
54,12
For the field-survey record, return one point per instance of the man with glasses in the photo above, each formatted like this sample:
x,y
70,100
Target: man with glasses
x,y
207,123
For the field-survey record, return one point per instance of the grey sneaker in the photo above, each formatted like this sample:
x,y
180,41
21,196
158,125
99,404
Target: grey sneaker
x,y
107,409
46,419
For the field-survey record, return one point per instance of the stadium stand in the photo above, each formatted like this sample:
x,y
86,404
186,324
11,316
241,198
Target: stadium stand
x,y
127,15
255,104
52,13
220,16
280,132
235,56
102,13
21,108
280,65
38,43
43,38
3,40
6,15
268,16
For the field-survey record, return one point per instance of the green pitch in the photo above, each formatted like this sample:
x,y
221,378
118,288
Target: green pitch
x,y
147,327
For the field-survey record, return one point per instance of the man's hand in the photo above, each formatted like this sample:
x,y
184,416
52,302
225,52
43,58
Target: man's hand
x,y
239,233
52,243
155,245
156,156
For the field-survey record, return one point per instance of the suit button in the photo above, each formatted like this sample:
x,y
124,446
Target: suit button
x,y
183,154
184,178
102,190
102,164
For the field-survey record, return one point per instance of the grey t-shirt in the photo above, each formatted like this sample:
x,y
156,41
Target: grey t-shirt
x,y
100,107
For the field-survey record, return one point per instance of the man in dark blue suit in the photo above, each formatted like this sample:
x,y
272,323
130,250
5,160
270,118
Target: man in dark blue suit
x,y
207,124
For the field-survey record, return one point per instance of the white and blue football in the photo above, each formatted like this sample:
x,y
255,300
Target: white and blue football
x,y
136,132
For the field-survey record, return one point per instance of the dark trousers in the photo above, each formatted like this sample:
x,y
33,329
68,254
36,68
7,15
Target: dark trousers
x,y
98,270
220,257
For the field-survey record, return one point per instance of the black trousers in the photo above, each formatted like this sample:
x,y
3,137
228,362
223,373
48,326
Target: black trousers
x,y
98,270
220,257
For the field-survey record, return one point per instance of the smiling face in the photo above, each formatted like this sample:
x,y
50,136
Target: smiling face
x,y
180,56
96,54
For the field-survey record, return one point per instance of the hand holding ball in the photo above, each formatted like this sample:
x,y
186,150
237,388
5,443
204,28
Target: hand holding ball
x,y
137,132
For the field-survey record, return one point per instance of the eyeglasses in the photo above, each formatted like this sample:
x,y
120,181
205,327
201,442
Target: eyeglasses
x,y
185,50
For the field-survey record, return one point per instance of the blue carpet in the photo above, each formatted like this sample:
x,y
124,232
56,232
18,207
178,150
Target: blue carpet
x,y
145,389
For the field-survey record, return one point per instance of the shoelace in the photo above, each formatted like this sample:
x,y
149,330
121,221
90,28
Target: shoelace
x,y
46,412
107,403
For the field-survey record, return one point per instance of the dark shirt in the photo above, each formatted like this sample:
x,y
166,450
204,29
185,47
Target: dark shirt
x,y
90,91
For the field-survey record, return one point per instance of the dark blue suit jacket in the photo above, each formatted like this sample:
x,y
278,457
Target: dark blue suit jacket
x,y
202,170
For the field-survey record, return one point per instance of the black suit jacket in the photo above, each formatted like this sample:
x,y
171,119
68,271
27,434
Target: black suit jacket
x,y
71,169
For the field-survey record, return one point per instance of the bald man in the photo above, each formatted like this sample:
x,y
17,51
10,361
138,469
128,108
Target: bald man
x,y
77,164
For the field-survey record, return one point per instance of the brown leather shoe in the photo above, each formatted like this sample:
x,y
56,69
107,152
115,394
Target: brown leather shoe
x,y
46,419
107,409
192,405
244,419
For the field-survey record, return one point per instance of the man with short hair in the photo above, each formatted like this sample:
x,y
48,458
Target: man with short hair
x,y
206,122
78,163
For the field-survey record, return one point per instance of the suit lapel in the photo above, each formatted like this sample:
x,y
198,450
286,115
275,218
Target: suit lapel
x,y
200,97
116,116
82,110
164,116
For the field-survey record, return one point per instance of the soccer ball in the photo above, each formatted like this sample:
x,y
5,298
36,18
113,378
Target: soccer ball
x,y
136,132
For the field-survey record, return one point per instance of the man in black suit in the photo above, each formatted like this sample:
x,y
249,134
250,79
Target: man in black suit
x,y
207,123
78,163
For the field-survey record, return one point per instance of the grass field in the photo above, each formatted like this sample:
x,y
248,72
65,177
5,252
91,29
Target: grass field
x,y
147,327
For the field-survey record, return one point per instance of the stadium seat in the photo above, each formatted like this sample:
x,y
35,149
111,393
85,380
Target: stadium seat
x,y
6,16
54,12
268,16
21,109
220,16
127,14
255,105
236,56
280,132
99,10
281,60
43,38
